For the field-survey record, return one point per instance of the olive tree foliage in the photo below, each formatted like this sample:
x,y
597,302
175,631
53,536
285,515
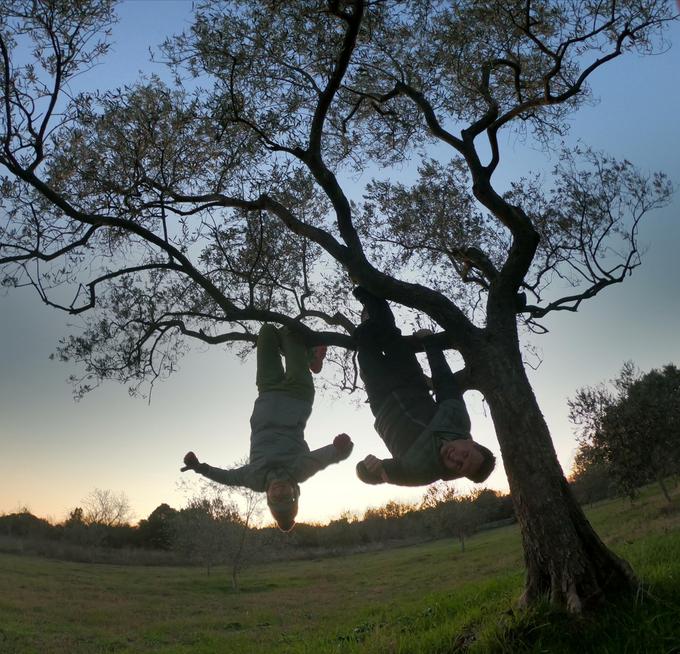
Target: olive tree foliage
x,y
631,426
201,205
204,207
590,479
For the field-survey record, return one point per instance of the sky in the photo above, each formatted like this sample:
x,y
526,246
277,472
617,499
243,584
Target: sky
x,y
54,451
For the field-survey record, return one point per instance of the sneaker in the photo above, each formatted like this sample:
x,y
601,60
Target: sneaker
x,y
318,355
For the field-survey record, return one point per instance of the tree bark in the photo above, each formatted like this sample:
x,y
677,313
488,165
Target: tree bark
x,y
565,560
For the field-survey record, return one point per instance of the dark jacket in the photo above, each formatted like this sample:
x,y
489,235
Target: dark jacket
x,y
416,459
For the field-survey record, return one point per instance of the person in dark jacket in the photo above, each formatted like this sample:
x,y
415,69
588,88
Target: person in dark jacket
x,y
429,439
280,459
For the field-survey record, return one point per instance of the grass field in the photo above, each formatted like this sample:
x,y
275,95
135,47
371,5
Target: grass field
x,y
429,599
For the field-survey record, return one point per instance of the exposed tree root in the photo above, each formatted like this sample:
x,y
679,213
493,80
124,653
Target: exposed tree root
x,y
579,593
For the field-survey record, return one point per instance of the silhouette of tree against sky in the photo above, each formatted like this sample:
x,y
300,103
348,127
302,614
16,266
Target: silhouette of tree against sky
x,y
204,207
105,507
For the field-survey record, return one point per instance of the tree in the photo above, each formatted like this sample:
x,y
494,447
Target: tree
x,y
590,479
491,504
106,508
216,526
201,207
76,518
23,524
386,522
242,547
633,430
200,531
156,531
452,514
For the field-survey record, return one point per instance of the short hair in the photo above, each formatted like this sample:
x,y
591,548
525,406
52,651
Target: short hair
x,y
487,466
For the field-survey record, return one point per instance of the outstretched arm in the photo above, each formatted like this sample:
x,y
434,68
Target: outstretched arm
x,y
321,458
234,477
337,451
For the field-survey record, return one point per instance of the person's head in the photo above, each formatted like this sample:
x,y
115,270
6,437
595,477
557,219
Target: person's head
x,y
282,499
465,458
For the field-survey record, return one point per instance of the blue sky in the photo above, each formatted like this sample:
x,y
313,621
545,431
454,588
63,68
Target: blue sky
x,y
54,451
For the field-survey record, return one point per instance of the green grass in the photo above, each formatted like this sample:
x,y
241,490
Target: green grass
x,y
425,599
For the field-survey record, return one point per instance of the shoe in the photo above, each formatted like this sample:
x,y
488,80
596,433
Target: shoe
x,y
318,355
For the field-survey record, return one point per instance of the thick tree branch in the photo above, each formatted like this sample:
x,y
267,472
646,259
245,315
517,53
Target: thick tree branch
x,y
134,228
353,21
430,117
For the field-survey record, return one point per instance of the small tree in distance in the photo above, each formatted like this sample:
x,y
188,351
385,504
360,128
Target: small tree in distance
x,y
216,526
452,514
201,530
105,508
202,207
156,531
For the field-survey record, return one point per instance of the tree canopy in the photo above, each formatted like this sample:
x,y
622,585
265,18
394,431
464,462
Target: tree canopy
x,y
201,205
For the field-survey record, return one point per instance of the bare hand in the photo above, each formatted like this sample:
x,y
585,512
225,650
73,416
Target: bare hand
x,y
190,462
375,467
343,444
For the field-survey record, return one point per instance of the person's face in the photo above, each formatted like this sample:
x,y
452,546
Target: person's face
x,y
461,457
281,491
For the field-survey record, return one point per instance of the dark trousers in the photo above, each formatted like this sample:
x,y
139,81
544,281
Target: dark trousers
x,y
388,364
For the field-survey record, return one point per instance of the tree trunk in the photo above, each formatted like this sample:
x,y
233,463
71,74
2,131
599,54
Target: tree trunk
x,y
666,494
565,559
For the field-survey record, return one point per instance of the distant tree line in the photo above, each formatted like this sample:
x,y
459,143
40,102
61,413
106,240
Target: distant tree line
x,y
216,528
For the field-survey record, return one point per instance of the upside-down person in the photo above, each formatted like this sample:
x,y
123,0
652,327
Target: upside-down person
x,y
429,439
280,459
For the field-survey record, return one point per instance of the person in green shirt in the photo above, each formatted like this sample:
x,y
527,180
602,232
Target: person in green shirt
x,y
280,459
429,439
